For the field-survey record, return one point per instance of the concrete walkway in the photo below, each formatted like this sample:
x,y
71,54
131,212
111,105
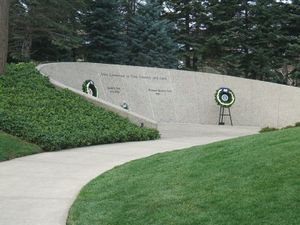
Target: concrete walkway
x,y
40,189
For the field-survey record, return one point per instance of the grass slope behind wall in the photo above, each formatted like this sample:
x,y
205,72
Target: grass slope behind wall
x,y
31,108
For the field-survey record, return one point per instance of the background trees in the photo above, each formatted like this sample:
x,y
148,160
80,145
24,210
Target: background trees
x,y
150,38
104,36
247,38
45,30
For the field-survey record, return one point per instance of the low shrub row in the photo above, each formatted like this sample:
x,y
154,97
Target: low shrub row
x,y
31,108
270,129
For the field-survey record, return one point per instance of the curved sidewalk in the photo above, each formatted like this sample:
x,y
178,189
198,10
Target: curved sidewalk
x,y
40,189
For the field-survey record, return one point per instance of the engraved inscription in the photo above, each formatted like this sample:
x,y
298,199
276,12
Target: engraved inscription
x,y
160,91
114,90
142,77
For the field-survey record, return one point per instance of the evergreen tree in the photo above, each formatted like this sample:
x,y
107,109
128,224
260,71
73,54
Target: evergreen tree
x,y
150,40
252,38
290,67
129,8
232,27
104,34
219,27
189,17
52,25
247,38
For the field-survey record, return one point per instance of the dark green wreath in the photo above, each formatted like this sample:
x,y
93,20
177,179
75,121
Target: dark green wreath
x,y
225,97
90,85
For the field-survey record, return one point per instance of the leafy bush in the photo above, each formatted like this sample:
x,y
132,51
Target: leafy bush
x,y
288,127
267,129
34,110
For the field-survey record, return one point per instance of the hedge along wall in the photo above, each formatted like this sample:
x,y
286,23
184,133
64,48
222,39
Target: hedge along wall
x,y
165,95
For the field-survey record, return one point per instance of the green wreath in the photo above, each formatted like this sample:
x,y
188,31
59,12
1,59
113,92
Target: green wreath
x,y
224,97
89,87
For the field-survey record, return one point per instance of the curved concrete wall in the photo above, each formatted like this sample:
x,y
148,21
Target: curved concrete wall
x,y
179,96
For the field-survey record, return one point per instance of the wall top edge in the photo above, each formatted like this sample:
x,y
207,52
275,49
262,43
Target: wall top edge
x,y
137,68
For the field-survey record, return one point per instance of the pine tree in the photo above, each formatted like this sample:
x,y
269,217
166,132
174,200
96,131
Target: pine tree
x,y
41,29
252,38
220,29
104,34
290,26
150,41
189,17
128,9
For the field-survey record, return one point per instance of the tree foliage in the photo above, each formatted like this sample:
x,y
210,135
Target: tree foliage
x,y
104,37
44,30
247,38
149,37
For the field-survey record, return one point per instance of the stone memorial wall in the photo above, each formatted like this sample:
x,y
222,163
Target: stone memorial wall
x,y
180,96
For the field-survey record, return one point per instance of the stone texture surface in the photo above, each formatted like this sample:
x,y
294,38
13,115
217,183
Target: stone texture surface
x,y
180,96
40,189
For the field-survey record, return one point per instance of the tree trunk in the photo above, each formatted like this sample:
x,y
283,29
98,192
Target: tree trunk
x,y
195,61
4,13
187,46
26,46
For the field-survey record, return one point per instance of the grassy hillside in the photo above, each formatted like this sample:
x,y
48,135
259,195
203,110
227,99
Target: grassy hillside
x,y
34,110
247,181
12,147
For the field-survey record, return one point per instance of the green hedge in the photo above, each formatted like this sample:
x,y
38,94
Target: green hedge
x,y
34,110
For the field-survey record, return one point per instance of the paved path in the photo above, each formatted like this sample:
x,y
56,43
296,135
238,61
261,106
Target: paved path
x,y
39,189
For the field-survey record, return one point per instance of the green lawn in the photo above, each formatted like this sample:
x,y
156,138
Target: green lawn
x,y
253,180
12,147
31,108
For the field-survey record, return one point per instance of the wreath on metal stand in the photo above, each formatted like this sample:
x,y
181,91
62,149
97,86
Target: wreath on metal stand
x,y
225,98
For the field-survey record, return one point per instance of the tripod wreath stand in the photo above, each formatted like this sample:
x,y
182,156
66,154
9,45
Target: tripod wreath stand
x,y
225,99
222,114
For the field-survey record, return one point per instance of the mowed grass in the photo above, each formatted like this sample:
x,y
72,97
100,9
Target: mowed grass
x,y
253,180
12,147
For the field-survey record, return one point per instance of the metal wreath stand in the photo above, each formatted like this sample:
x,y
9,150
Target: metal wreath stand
x,y
225,99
